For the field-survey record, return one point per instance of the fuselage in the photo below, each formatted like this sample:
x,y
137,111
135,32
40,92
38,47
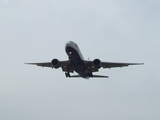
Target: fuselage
x,y
76,59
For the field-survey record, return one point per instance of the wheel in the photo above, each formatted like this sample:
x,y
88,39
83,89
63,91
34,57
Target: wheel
x,y
90,74
67,74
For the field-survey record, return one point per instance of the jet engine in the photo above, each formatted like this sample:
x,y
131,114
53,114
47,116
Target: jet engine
x,y
97,63
55,63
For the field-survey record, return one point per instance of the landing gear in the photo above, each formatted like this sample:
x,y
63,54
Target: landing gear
x,y
67,74
90,74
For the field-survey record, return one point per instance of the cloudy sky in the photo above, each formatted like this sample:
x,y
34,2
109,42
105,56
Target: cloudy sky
x,y
111,30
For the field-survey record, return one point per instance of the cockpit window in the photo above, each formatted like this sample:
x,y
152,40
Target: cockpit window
x,y
76,45
70,41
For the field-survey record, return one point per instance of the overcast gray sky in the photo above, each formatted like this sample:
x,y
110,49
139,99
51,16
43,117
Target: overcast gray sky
x,y
112,30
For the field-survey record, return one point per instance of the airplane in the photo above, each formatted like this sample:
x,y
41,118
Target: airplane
x,y
76,62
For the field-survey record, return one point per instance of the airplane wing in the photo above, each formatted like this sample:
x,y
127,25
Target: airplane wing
x,y
66,66
114,64
44,64
48,64
90,64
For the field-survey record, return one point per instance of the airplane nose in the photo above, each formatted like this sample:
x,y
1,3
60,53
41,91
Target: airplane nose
x,y
69,43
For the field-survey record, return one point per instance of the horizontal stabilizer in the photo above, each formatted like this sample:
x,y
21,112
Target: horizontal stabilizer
x,y
94,76
74,76
100,76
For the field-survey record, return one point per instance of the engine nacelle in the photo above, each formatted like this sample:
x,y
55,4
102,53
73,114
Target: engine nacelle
x,y
97,63
55,63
